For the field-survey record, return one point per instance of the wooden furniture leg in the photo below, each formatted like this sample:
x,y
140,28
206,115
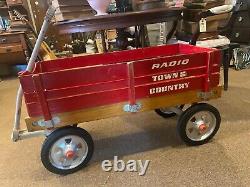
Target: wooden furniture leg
x,y
105,50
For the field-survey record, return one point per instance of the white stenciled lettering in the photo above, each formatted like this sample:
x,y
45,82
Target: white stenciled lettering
x,y
173,63
158,90
170,64
187,84
154,78
152,91
169,88
156,66
175,75
182,86
160,77
183,74
176,87
184,62
169,76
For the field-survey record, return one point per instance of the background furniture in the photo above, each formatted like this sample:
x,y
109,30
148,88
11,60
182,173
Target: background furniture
x,y
238,28
13,48
73,9
192,32
121,20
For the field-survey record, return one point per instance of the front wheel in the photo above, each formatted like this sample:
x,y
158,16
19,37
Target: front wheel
x,y
67,150
198,124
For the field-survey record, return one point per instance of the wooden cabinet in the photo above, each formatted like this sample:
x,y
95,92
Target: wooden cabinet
x,y
13,49
240,26
14,2
10,38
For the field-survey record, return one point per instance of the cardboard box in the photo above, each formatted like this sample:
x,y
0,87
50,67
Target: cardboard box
x,y
212,23
193,27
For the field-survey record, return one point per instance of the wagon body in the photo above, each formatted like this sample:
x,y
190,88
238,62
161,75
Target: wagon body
x,y
86,88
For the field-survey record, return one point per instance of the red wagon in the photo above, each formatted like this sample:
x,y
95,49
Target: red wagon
x,y
61,93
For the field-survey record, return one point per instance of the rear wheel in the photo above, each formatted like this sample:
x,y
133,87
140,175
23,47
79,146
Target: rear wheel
x,y
67,150
166,112
198,124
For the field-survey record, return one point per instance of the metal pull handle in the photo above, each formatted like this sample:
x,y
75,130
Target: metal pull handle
x,y
4,40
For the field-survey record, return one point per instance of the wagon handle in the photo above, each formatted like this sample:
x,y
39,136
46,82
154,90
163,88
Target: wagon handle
x,y
47,20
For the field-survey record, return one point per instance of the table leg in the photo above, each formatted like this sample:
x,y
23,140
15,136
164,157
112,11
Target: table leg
x,y
105,50
226,63
172,31
142,34
136,37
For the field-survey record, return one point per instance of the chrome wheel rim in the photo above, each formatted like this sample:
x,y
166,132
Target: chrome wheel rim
x,y
201,125
68,152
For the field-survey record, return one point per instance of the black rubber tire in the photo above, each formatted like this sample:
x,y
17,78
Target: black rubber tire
x,y
167,115
59,133
185,117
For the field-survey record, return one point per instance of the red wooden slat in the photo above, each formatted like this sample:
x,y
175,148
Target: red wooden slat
x,y
83,76
191,49
170,76
26,82
107,58
78,102
176,86
163,64
215,68
71,91
214,79
117,57
41,98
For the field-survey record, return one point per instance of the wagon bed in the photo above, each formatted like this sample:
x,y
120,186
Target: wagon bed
x,y
87,88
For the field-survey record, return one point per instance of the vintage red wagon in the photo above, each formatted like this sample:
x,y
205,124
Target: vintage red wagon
x,y
61,93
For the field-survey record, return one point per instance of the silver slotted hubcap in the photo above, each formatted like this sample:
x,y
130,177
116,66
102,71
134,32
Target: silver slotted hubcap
x,y
68,152
201,125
